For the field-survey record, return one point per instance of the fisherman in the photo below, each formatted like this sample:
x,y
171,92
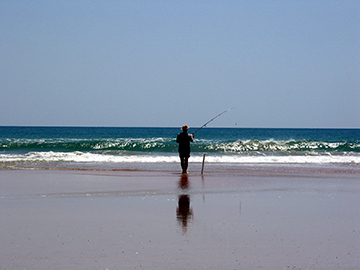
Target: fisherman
x,y
184,139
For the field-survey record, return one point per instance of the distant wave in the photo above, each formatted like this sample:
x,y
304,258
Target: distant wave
x,y
285,146
129,144
169,145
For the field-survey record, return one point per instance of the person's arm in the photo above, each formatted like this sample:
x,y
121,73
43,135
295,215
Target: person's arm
x,y
191,137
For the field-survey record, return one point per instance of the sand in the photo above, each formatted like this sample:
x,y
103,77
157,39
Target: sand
x,y
247,218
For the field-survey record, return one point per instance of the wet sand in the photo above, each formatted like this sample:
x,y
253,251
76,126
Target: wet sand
x,y
250,218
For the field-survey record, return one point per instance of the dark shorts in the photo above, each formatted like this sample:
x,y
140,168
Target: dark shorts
x,y
184,154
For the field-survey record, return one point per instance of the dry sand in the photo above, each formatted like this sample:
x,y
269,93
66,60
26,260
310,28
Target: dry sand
x,y
247,219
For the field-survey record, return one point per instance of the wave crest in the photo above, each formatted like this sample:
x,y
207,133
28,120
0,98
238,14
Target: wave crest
x,y
169,145
288,146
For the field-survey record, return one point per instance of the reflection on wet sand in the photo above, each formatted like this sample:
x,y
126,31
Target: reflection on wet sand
x,y
184,182
183,211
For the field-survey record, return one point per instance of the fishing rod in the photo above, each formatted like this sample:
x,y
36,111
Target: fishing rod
x,y
212,119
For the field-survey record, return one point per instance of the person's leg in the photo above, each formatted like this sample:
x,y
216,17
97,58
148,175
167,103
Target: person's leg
x,y
182,160
186,164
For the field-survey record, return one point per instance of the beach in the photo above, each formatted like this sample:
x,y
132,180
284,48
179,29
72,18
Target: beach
x,y
111,109
244,217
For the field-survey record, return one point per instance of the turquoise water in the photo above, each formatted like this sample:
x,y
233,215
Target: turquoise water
x,y
103,145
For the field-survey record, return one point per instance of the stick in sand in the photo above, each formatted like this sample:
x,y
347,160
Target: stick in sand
x,y
202,168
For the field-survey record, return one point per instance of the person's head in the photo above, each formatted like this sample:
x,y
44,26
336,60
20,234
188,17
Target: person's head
x,y
185,128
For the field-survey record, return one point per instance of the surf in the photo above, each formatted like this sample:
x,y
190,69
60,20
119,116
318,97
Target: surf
x,y
113,146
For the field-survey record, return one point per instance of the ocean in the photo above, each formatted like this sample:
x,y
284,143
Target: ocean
x,y
130,147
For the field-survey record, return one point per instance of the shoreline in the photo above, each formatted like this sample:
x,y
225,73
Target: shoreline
x,y
282,218
194,167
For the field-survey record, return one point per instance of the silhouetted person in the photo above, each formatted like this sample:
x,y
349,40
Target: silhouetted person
x,y
184,139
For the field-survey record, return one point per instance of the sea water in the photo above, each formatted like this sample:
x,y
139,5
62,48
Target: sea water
x,y
113,147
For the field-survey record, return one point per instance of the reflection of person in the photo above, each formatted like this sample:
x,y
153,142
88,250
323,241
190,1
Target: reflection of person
x,y
183,212
184,182
184,139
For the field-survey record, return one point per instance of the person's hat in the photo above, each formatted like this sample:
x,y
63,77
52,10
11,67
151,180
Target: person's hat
x,y
185,127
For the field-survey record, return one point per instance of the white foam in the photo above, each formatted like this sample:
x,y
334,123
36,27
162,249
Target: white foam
x,y
173,157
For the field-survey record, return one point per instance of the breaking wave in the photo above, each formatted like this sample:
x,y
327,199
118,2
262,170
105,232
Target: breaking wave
x,y
169,145
120,145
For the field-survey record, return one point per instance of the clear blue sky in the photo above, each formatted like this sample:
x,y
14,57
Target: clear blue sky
x,y
167,63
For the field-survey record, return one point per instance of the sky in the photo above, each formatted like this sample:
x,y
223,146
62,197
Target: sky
x,y
147,63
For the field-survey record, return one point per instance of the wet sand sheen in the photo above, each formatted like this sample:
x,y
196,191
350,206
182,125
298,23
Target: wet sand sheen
x,y
163,220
